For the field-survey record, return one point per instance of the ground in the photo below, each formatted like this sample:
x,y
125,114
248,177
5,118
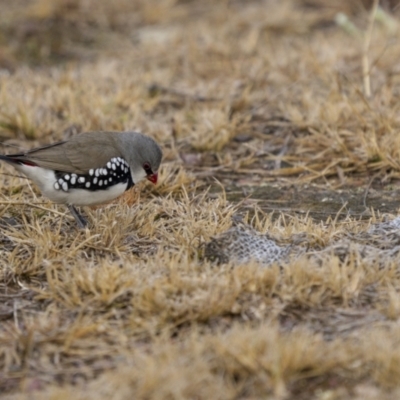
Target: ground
x,y
282,114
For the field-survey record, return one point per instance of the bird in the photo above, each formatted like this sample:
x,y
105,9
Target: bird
x,y
90,168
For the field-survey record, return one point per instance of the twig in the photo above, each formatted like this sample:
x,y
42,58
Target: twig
x,y
154,88
367,42
21,203
13,175
339,213
367,190
10,145
282,153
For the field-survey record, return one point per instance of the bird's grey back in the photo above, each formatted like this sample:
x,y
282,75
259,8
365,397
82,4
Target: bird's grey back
x,y
82,152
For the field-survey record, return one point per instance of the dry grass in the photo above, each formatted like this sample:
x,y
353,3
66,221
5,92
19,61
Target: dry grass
x,y
249,93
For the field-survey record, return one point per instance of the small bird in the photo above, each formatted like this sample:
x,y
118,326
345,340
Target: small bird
x,y
90,168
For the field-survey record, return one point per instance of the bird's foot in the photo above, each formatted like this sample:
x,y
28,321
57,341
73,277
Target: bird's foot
x,y
80,220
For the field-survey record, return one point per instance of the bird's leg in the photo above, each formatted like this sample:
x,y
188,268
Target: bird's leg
x,y
82,223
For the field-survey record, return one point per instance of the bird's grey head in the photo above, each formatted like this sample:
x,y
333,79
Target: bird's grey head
x,y
143,155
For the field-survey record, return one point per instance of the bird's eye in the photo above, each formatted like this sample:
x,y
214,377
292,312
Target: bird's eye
x,y
147,168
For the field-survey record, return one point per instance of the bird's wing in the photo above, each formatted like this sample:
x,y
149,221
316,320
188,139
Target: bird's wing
x,y
77,155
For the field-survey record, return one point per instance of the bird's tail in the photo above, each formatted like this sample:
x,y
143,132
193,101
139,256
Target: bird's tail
x,y
16,159
13,160
9,159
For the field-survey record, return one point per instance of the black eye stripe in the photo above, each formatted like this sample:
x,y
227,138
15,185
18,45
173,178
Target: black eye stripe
x,y
114,172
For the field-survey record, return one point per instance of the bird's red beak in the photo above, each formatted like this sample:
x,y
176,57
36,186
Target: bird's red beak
x,y
152,178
